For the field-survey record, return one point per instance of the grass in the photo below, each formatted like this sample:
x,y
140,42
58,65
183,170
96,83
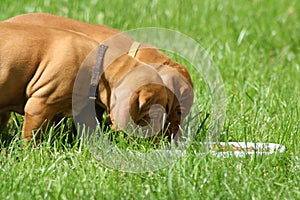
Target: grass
x,y
254,44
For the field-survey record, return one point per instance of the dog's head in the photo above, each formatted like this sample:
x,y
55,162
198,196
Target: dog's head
x,y
139,99
148,107
178,83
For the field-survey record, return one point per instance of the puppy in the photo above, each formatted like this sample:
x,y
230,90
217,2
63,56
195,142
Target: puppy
x,y
175,76
38,69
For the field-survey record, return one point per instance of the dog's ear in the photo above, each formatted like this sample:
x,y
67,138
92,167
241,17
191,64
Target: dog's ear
x,y
134,103
147,95
138,103
142,100
147,102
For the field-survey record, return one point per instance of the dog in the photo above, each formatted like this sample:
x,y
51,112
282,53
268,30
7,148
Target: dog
x,y
174,75
38,69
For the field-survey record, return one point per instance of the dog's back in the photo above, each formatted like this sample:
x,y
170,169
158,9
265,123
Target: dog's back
x,y
45,19
100,33
33,57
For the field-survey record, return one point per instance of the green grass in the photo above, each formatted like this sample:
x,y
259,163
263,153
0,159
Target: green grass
x,y
255,45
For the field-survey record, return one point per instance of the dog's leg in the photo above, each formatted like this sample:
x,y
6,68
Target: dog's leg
x,y
4,117
37,114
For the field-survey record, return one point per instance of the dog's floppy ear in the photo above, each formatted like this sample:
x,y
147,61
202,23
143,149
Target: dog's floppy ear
x,y
138,101
125,108
144,99
135,104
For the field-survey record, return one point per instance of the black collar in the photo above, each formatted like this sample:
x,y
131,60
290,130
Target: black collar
x,y
97,72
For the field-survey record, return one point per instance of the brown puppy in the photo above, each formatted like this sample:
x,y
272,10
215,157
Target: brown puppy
x,y
175,75
38,69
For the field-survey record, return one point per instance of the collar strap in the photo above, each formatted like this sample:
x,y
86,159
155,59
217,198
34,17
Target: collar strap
x,y
133,49
97,71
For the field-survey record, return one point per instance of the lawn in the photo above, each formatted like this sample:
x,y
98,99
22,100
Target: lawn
x,y
255,46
